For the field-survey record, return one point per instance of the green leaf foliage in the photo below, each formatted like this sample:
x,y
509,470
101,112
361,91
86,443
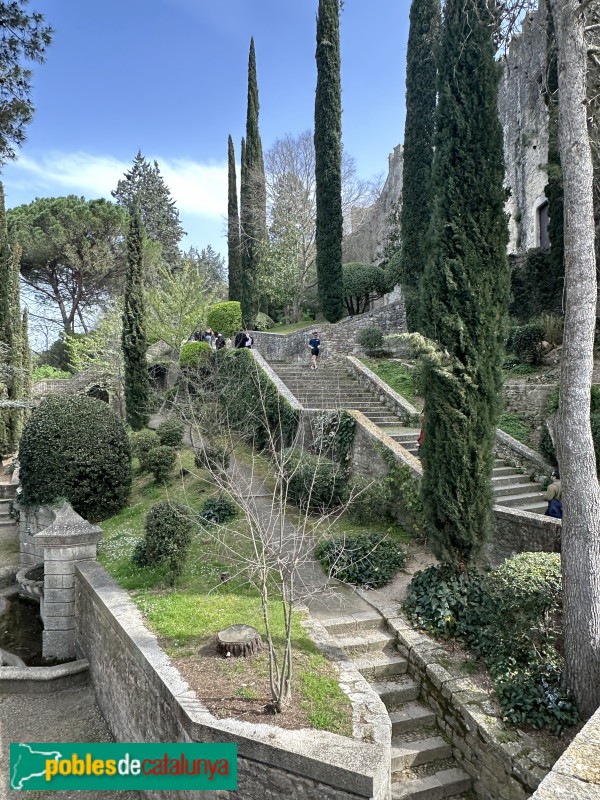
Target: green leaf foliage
x,y
370,560
263,322
234,256
371,340
225,318
508,618
76,447
362,284
170,432
217,511
526,342
312,482
417,192
328,162
194,354
168,535
160,462
465,291
141,442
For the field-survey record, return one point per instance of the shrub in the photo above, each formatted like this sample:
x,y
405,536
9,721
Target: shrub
x,y
312,481
507,617
226,318
212,457
194,354
170,432
45,371
168,535
142,442
371,340
217,510
553,326
368,500
263,322
160,462
76,447
368,560
526,342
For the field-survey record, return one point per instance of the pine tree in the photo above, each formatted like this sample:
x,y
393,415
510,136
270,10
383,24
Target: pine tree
x,y
144,186
233,228
421,70
468,287
328,162
134,332
253,201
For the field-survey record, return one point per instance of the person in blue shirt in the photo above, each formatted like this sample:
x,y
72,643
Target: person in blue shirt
x,y
313,346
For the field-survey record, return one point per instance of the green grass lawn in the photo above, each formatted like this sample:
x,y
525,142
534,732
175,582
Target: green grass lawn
x,y
516,427
191,614
396,375
294,326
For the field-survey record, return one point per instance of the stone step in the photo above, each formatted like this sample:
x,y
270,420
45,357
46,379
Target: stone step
x,y
516,500
381,665
499,462
503,470
514,488
411,717
368,642
514,477
538,507
351,623
7,522
440,785
5,506
421,751
395,694
8,490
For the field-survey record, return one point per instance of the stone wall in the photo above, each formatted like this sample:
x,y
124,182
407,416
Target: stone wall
x,y
336,339
576,774
144,698
520,532
370,226
524,117
528,400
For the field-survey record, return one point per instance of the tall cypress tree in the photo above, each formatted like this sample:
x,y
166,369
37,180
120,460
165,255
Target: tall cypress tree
x,y
26,361
16,348
134,331
328,162
253,201
421,92
233,228
468,286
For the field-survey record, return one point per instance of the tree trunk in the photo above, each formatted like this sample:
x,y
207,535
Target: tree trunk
x,y
581,493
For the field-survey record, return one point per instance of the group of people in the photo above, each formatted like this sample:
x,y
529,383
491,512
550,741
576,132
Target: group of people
x,y
213,338
243,339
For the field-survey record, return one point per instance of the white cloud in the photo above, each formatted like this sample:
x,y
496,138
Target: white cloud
x,y
198,189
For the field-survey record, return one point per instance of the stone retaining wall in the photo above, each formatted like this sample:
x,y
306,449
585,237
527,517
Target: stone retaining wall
x,y
505,764
394,401
144,698
337,339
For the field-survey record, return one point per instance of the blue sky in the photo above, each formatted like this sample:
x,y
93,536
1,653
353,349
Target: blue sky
x,y
169,77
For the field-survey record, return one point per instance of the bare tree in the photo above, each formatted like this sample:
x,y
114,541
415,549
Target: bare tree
x,y
581,491
273,548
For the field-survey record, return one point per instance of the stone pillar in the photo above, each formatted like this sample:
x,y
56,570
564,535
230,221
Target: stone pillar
x,y
68,541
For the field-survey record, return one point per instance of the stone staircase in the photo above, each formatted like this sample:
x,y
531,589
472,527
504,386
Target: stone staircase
x,y
422,764
331,386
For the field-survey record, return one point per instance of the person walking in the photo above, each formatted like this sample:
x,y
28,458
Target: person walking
x,y
553,496
314,345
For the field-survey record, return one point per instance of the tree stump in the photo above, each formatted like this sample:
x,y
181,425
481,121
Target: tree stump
x,y
238,640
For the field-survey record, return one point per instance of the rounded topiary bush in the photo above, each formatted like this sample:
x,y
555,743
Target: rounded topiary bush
x,y
167,539
263,322
369,560
212,458
526,342
160,462
170,432
226,318
194,354
217,510
142,442
76,447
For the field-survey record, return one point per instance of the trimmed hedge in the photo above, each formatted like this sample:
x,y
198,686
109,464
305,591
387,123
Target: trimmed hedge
x,y
160,462
526,342
168,535
76,447
371,340
194,354
142,442
225,318
217,511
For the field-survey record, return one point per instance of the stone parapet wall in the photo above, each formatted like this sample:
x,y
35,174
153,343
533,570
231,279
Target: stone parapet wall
x,y
520,532
394,401
144,698
528,400
576,774
51,386
336,339
505,764
522,457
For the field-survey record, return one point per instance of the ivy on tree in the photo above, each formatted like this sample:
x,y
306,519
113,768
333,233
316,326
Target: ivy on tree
x,y
134,332
466,287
